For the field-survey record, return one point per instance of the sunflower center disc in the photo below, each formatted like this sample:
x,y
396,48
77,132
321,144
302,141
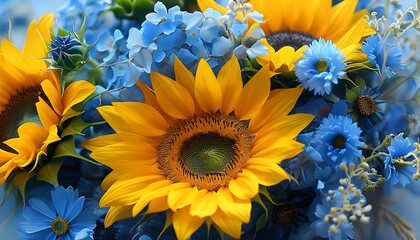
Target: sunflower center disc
x,y
24,100
285,214
205,151
60,226
289,38
339,142
365,105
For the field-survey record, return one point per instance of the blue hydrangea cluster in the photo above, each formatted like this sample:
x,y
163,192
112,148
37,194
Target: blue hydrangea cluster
x,y
190,37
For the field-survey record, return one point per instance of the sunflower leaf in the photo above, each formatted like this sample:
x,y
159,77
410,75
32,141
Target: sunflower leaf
x,y
49,172
66,148
20,181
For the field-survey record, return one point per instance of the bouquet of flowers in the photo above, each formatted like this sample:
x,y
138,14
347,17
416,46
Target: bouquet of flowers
x,y
209,119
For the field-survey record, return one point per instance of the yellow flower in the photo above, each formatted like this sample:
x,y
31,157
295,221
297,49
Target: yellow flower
x,y
32,100
297,23
198,148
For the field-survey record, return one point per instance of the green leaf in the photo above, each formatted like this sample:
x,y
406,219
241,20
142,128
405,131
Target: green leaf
x,y
49,172
66,148
20,180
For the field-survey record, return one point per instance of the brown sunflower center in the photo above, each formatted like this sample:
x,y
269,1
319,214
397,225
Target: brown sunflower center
x,y
293,39
285,214
60,226
205,151
365,105
19,109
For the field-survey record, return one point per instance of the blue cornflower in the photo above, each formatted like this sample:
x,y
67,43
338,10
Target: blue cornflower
x,y
321,67
373,47
289,217
337,140
394,172
365,106
61,217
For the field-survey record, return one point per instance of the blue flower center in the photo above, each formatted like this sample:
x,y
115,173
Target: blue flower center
x,y
339,141
60,226
289,38
322,66
285,214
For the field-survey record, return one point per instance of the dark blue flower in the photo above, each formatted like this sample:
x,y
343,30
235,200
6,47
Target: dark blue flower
x,y
397,173
321,67
63,216
335,141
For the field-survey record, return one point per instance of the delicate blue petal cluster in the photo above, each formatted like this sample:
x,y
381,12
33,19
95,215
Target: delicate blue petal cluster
x,y
394,172
316,78
190,37
375,47
65,204
337,140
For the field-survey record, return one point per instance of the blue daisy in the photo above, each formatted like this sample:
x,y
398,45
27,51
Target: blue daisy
x,y
321,67
337,140
394,172
61,217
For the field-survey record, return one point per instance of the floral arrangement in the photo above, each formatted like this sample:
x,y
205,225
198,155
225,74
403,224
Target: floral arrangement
x,y
215,119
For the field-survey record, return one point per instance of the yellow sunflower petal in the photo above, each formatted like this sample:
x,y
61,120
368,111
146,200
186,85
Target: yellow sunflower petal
x,y
230,80
128,155
204,204
173,98
207,89
254,94
113,118
229,225
142,118
279,104
101,141
75,93
245,185
158,205
185,224
204,4
233,206
279,149
269,174
179,198
154,190
53,95
47,116
116,213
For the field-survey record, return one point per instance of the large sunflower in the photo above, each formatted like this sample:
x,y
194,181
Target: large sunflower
x,y
198,148
296,24
32,100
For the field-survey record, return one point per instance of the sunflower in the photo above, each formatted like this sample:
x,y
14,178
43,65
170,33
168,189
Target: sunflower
x,y
33,102
198,148
296,24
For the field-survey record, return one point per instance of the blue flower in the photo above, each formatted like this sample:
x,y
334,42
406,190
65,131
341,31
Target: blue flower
x,y
337,140
61,217
399,173
321,67
190,37
322,227
373,47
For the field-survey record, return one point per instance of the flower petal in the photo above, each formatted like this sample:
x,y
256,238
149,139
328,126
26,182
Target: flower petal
x,y
254,94
204,204
233,206
207,89
185,224
230,80
245,185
